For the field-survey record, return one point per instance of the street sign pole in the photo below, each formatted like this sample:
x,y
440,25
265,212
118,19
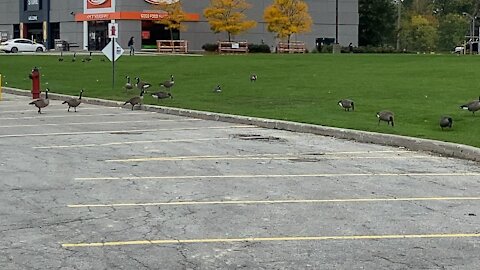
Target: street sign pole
x,y
117,50
113,63
113,34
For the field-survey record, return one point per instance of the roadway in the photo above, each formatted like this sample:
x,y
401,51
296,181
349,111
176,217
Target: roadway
x,y
111,188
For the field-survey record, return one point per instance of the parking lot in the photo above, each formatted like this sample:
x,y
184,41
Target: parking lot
x,y
111,188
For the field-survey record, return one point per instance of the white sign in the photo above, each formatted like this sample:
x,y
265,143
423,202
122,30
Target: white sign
x,y
116,54
113,30
98,6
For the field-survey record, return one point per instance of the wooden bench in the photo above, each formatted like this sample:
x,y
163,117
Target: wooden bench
x,y
172,46
232,47
292,47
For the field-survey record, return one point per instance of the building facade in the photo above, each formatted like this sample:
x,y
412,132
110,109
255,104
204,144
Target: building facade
x,y
83,23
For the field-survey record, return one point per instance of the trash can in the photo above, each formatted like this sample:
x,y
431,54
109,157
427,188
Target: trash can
x,y
61,45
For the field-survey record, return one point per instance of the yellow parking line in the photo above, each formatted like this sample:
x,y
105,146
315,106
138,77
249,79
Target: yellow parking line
x,y
152,121
183,177
116,131
126,143
360,200
273,239
262,157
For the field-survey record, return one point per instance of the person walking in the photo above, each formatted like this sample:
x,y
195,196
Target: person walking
x,y
130,45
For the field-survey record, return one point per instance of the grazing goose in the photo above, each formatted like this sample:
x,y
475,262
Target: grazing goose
x,y
74,102
472,106
161,95
386,116
253,77
141,84
347,104
74,57
168,84
128,84
60,59
217,89
446,121
41,102
135,100
89,58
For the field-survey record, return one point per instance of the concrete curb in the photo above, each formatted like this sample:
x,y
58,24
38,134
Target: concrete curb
x,y
416,144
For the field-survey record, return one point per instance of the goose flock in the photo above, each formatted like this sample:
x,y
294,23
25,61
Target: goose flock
x,y
347,104
388,116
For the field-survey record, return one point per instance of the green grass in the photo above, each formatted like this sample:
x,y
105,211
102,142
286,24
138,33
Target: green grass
x,y
302,88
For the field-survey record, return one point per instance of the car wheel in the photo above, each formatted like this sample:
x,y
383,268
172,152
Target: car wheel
x,y
39,49
14,50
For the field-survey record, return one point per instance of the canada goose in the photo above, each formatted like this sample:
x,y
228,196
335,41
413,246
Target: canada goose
x,y
135,100
161,95
128,84
74,57
141,84
168,84
472,106
253,77
386,116
217,89
74,102
347,104
446,121
89,58
41,102
60,59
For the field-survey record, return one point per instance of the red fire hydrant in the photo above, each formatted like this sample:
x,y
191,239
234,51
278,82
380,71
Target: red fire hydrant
x,y
35,77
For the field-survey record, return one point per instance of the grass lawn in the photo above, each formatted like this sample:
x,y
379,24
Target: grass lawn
x,y
303,88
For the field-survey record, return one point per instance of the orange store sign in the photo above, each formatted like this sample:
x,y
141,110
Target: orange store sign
x,y
130,15
156,2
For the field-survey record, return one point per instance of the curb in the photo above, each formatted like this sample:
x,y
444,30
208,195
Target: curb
x,y
416,144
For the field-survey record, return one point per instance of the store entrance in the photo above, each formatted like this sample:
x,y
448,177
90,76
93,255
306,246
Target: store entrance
x,y
97,35
35,32
153,31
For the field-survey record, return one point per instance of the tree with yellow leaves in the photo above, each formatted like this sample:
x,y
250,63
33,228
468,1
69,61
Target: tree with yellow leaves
x,y
228,16
287,17
175,16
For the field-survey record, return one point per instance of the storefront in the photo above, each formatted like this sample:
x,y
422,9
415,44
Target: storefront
x,y
141,23
34,21
84,23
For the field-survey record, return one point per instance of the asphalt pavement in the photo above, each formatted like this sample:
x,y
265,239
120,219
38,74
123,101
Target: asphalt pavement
x,y
111,188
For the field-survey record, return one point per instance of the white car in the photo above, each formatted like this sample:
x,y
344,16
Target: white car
x,y
21,45
459,49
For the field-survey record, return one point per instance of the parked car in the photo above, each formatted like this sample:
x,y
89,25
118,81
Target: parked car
x,y
459,49
21,45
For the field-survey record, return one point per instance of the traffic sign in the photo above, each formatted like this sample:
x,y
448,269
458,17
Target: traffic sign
x,y
113,30
111,54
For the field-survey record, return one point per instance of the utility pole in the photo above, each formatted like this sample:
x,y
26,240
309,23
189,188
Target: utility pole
x,y
336,22
399,21
472,29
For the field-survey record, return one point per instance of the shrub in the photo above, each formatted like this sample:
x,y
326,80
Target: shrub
x,y
210,47
258,48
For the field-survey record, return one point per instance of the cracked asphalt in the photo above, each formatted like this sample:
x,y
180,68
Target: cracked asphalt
x,y
111,188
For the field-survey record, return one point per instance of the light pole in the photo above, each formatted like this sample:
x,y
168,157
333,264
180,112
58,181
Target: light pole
x,y
336,22
399,20
472,29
